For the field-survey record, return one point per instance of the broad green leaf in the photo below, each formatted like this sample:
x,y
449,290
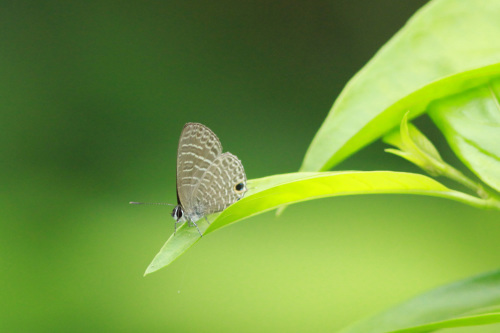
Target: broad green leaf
x,y
471,124
474,301
271,192
445,48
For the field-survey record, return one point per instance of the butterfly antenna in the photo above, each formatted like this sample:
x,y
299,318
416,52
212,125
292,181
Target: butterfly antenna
x,y
150,203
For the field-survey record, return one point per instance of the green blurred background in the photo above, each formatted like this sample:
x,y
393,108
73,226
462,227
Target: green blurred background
x,y
94,95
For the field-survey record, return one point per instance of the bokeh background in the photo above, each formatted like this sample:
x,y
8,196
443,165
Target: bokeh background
x,y
94,95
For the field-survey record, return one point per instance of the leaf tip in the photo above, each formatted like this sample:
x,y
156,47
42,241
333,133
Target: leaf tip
x,y
151,268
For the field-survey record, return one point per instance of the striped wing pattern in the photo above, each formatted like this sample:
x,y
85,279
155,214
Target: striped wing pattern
x,y
198,148
218,188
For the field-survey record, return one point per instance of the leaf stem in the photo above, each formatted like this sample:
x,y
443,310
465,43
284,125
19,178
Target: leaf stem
x,y
483,203
459,177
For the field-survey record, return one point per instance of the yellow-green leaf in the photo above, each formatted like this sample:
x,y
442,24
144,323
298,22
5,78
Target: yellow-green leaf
x,y
271,192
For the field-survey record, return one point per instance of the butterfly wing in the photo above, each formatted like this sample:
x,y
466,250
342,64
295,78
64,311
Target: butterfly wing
x,y
198,148
223,184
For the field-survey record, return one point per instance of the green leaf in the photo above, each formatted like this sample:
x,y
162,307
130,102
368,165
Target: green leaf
x,y
445,48
474,301
416,148
471,124
271,192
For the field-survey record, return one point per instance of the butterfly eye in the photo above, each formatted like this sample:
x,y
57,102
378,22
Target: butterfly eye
x,y
177,212
239,187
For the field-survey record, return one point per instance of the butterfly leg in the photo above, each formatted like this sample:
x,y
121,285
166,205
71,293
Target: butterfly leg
x,y
194,223
206,219
175,224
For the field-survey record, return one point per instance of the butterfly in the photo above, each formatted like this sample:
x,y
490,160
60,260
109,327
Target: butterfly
x,y
208,181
